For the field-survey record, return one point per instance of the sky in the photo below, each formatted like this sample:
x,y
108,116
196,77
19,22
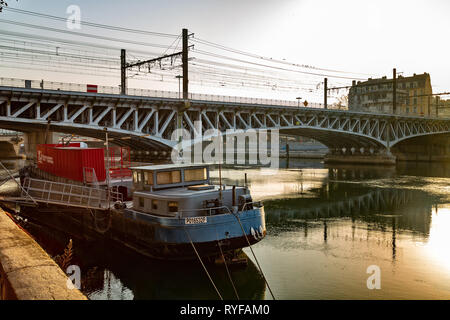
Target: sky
x,y
367,37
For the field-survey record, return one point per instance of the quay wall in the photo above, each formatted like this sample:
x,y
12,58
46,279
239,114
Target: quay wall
x,y
26,271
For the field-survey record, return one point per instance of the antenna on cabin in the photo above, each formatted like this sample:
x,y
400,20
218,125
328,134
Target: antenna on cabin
x,y
107,168
220,166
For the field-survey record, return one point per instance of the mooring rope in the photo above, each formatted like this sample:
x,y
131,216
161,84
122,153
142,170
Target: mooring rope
x,y
254,256
20,186
198,256
228,271
94,217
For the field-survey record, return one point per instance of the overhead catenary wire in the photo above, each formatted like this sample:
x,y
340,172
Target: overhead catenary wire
x,y
193,39
91,24
81,34
274,67
77,43
252,55
71,55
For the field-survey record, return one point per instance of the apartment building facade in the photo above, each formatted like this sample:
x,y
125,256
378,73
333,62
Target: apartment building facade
x,y
376,95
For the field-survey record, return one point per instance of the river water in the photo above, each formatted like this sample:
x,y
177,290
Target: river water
x,y
325,226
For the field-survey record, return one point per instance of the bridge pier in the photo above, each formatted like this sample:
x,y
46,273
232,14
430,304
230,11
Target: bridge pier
x,y
427,148
32,139
10,147
360,156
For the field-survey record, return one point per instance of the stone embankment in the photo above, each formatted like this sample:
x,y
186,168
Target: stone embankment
x,y
26,271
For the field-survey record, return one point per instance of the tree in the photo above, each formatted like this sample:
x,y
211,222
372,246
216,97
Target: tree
x,y
3,3
341,103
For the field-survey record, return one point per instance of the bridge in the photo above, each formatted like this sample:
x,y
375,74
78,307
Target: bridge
x,y
145,120
10,144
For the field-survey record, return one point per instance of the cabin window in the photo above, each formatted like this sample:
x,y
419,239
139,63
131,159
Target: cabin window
x,y
137,177
173,206
141,202
168,177
148,177
194,174
154,204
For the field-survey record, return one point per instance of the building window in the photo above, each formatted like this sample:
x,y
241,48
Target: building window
x,y
141,202
173,206
154,204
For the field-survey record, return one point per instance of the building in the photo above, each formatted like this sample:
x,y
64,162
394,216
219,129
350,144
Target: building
x,y
376,95
442,106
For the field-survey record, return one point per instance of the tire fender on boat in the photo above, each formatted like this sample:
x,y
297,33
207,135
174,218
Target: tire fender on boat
x,y
254,233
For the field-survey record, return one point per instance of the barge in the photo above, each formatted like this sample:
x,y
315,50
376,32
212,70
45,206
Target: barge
x,y
168,211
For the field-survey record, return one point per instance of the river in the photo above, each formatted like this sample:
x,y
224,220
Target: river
x,y
326,224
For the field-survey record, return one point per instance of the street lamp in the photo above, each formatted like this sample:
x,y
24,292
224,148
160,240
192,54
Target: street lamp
x,y
298,99
179,87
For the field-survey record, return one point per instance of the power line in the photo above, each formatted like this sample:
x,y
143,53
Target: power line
x,y
71,42
252,55
91,24
89,35
273,67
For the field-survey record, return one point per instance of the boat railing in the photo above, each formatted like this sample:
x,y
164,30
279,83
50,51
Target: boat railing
x,y
251,205
64,193
209,211
115,195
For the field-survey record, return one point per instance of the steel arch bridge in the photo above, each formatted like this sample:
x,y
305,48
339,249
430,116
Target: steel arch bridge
x,y
147,123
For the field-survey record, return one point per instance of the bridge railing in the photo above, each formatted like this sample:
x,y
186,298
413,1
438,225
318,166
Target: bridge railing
x,y
76,87
4,132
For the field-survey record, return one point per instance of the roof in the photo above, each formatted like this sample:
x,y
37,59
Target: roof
x,y
170,166
181,192
400,78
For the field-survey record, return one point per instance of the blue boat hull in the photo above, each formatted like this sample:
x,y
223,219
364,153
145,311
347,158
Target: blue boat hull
x,y
170,238
155,236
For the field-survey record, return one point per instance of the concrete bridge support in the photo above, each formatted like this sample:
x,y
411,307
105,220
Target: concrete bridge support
x,y
427,148
9,148
360,156
32,139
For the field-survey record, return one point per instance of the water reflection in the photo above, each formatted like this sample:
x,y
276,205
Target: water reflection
x,y
112,272
326,225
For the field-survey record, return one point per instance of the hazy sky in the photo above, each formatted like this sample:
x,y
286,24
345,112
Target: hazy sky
x,y
369,37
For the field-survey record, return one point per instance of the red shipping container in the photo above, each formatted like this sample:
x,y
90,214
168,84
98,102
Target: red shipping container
x,y
69,161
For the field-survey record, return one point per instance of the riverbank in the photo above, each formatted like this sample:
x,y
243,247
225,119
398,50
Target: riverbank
x,y
26,271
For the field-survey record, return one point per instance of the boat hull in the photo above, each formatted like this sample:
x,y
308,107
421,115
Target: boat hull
x,y
154,236
174,238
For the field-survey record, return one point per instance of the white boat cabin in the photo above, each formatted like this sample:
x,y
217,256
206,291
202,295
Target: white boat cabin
x,y
183,191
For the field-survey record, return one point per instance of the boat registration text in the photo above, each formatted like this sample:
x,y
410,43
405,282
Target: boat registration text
x,y
195,220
